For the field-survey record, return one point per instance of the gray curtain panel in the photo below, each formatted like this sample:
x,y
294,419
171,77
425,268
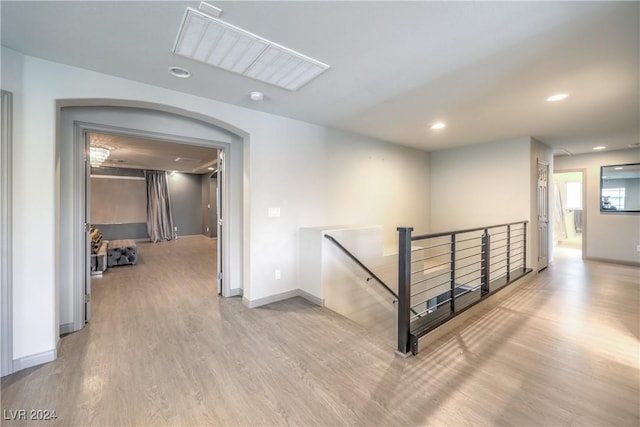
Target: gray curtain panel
x,y
159,217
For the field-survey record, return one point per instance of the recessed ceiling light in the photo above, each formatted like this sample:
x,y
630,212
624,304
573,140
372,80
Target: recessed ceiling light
x,y
557,97
179,72
438,125
599,147
256,96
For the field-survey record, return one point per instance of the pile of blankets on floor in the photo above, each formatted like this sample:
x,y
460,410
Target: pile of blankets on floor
x,y
122,252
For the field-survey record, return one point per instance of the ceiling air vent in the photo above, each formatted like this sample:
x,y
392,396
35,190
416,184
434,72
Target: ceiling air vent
x,y
214,42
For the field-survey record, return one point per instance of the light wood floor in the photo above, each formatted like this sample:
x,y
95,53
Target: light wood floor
x,y
163,349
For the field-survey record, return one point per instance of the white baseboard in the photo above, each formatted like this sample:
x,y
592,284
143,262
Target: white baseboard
x,y
34,360
311,298
282,296
614,261
237,292
270,299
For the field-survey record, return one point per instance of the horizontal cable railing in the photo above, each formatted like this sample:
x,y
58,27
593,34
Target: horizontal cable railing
x,y
442,274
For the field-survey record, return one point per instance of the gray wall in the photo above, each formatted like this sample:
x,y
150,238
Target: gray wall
x,y
133,230
186,202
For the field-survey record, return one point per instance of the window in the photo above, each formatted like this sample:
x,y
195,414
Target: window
x,y
574,196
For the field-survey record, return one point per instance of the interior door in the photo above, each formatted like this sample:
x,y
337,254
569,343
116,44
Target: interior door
x,y
543,215
219,219
87,229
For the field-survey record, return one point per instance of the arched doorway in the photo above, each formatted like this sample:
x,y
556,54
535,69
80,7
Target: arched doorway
x,y
165,123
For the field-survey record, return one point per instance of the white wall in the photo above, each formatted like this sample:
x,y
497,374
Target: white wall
x,y
34,298
11,76
373,183
480,185
291,164
486,184
612,237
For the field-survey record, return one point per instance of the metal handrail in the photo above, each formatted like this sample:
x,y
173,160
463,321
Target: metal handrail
x,y
469,230
364,267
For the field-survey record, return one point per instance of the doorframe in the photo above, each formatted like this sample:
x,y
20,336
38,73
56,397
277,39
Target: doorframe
x,y
82,201
6,240
584,207
239,182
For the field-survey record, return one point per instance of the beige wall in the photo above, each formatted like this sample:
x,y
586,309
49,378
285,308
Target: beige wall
x,y
609,236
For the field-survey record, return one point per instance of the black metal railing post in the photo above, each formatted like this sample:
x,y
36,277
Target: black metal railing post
x,y
404,288
508,253
485,262
453,273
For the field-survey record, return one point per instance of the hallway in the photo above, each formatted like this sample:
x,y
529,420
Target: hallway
x,y
164,349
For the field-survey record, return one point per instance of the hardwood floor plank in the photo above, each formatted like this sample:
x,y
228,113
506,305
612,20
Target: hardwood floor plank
x,y
163,349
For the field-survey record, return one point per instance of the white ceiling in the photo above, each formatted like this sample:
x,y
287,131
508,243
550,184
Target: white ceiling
x,y
485,68
139,153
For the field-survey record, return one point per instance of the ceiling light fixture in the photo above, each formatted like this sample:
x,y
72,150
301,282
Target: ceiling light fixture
x,y
97,155
180,72
210,168
557,97
599,147
207,39
256,96
619,168
438,125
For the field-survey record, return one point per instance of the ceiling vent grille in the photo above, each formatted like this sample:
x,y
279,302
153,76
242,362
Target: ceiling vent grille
x,y
214,42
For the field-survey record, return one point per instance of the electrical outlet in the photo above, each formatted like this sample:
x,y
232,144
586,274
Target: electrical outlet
x,y
278,275
207,229
638,248
175,228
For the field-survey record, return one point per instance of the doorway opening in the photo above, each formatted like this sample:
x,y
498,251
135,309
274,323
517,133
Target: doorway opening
x,y
152,122
569,218
126,218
